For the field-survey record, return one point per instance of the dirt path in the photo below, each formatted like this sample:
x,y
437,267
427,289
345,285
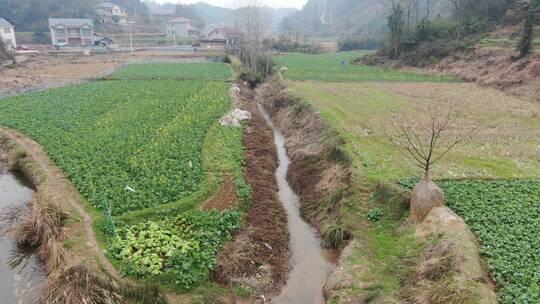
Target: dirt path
x,y
61,189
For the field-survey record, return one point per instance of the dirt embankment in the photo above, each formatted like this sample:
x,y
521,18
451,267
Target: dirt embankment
x,y
448,268
258,257
486,67
319,170
54,189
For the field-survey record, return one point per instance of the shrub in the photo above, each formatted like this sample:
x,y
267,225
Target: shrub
x,y
265,66
375,215
429,52
40,38
290,44
253,79
334,235
358,43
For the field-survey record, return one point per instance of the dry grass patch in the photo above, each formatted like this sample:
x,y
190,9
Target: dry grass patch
x,y
506,144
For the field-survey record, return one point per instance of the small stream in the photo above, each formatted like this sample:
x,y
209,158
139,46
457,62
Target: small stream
x,y
311,263
21,274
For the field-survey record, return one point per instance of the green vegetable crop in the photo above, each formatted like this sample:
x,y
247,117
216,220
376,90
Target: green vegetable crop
x,y
132,144
185,71
505,216
182,247
135,144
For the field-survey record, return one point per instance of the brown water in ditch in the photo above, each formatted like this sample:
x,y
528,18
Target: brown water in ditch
x,y
311,263
21,274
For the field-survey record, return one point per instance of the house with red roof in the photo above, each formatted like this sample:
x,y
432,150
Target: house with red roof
x,y
227,35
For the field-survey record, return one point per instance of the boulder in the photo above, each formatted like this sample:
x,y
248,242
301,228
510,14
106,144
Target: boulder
x,y
235,118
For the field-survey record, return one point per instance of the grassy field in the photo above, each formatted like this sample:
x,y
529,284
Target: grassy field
x,y
153,151
504,147
503,213
330,67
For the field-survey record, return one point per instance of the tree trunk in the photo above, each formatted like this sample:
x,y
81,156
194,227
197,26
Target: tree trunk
x,y
426,196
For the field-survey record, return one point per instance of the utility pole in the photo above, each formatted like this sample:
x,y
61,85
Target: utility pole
x,y
174,37
130,37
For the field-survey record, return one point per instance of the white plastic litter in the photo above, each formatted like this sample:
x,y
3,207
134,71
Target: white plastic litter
x,y
128,188
235,118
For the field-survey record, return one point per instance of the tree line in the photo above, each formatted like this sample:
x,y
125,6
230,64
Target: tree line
x,y
32,15
415,31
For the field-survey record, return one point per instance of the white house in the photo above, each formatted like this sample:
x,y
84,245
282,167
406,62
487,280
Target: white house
x,y
110,13
7,34
181,27
226,35
72,32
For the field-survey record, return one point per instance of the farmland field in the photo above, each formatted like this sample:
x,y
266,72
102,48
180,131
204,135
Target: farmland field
x,y
359,104
199,71
145,135
505,215
328,67
152,150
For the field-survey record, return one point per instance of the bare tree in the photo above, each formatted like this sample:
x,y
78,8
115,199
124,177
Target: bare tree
x,y
395,23
408,7
458,8
417,11
429,7
425,140
249,19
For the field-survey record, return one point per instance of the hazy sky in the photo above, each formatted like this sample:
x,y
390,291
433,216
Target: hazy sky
x,y
231,3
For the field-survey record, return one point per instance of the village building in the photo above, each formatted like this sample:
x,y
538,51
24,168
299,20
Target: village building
x,y
227,35
7,34
110,13
72,32
182,28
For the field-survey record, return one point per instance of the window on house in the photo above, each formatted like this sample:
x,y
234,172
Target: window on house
x,y
88,41
61,40
86,32
9,42
60,32
7,30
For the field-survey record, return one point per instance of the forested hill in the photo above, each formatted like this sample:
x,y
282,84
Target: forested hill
x,y
31,15
339,18
211,15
